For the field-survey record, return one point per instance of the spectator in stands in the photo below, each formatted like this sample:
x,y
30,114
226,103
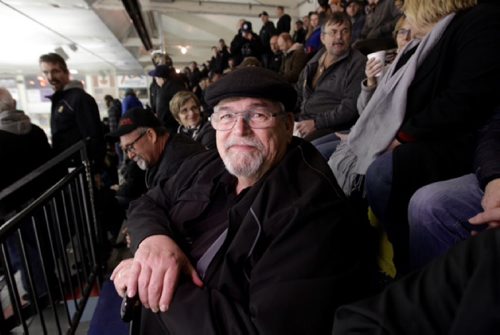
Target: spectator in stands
x,y
130,100
356,11
168,85
313,40
194,75
305,22
294,58
247,44
186,109
328,144
74,113
439,213
250,61
336,6
229,212
277,58
284,21
155,150
299,33
265,34
114,111
330,83
224,52
231,65
24,147
374,67
436,135
379,25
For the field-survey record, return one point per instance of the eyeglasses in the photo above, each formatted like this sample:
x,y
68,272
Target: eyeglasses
x,y
256,119
131,146
333,33
403,31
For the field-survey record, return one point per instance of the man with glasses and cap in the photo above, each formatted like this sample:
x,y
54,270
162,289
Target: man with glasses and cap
x,y
144,140
254,238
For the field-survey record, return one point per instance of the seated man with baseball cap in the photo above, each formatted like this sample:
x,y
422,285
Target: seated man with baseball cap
x,y
144,140
253,238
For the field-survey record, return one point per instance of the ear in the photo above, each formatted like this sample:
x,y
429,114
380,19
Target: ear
x,y
152,135
289,123
321,36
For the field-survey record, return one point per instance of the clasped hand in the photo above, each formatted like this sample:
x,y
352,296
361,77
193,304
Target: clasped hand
x,y
154,272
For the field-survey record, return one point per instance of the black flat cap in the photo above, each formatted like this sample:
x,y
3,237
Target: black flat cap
x,y
252,82
134,118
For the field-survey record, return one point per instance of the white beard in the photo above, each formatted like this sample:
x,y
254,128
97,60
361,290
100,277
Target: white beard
x,y
244,164
141,164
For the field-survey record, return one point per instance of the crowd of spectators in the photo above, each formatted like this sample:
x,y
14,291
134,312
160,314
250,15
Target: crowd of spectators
x,y
411,138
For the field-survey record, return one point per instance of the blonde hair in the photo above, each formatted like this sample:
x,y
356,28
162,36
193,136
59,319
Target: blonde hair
x,y
179,99
426,12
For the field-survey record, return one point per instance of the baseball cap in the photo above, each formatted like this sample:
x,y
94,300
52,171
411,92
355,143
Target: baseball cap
x,y
133,119
162,71
246,26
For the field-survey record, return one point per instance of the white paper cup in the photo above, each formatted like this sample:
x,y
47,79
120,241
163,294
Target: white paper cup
x,y
380,55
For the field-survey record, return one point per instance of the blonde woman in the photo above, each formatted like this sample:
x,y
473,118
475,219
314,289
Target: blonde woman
x,y
186,109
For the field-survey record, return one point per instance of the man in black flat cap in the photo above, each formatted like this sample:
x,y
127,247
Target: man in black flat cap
x,y
254,238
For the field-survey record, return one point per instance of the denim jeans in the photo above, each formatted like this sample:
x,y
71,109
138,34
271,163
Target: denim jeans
x,y
438,216
378,184
326,145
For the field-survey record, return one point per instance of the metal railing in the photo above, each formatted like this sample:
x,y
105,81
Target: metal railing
x,y
48,246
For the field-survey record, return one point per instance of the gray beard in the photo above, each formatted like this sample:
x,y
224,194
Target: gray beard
x,y
141,164
244,165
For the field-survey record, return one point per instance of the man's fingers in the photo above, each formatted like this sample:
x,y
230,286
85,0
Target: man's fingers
x,y
143,285
169,285
492,215
195,278
155,288
132,279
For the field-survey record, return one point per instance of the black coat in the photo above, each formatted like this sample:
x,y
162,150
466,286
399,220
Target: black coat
x,y
291,256
178,148
242,47
163,95
284,24
74,117
21,154
265,34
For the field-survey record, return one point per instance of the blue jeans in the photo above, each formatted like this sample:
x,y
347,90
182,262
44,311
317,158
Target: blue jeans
x,y
378,184
326,145
438,216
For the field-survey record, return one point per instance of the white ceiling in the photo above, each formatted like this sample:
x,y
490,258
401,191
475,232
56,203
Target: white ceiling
x,y
106,39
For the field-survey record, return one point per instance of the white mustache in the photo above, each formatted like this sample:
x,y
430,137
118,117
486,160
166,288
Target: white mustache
x,y
247,142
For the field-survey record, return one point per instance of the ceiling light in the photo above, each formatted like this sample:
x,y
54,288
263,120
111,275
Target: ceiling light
x,y
73,71
184,50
